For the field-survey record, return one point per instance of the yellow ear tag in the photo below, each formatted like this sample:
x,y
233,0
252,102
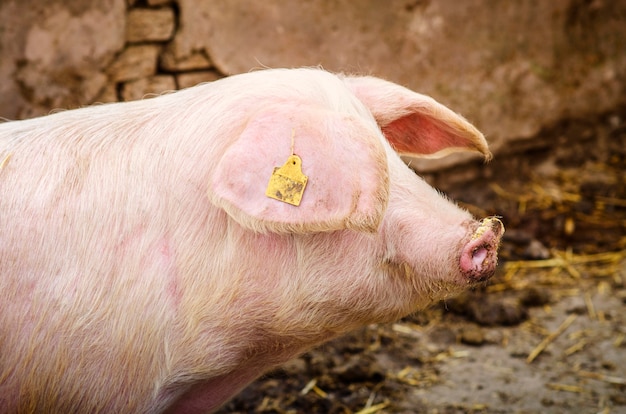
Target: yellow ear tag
x,y
287,183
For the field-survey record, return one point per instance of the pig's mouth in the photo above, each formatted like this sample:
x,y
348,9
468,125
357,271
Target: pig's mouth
x,y
479,257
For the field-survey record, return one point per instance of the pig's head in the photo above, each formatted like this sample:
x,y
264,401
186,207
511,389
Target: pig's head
x,y
376,237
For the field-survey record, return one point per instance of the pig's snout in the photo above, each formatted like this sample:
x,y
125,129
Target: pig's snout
x,y
480,255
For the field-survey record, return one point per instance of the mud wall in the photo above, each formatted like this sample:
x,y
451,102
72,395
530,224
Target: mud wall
x,y
512,68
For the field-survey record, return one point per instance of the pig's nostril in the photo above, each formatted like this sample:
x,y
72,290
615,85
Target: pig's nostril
x,y
478,256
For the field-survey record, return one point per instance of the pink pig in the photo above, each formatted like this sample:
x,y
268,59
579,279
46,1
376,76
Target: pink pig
x,y
143,268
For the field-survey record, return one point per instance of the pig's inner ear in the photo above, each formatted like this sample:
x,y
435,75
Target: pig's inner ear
x,y
420,135
414,124
341,156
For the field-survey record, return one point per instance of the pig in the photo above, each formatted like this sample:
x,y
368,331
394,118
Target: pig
x,y
144,268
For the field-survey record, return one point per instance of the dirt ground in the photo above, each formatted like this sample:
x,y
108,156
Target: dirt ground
x,y
547,334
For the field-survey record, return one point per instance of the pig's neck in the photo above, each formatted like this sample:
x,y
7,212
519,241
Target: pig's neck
x,y
208,395
205,395
246,302
238,320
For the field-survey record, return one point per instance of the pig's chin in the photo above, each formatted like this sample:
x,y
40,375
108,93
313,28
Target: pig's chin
x,y
445,287
427,287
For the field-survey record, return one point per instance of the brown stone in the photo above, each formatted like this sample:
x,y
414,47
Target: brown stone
x,y
155,3
135,62
186,80
149,25
107,94
172,61
148,87
93,86
192,38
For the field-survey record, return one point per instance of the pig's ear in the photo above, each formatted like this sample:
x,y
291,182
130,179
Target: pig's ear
x,y
414,124
344,161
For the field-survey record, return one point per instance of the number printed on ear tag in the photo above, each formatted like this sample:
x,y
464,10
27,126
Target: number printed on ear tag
x,y
287,183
